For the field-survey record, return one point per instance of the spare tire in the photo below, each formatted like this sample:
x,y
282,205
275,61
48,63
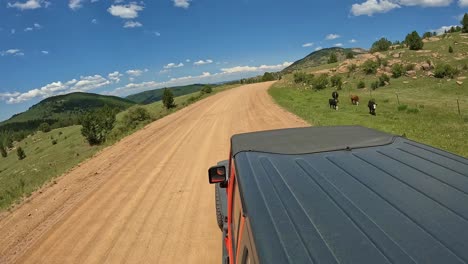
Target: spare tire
x,y
219,214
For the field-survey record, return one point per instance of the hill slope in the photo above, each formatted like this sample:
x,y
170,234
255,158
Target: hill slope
x,y
320,57
148,97
62,110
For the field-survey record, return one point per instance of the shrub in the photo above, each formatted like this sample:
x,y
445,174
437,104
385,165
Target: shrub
x,y
402,107
383,62
268,77
450,50
361,84
370,67
20,153
349,55
412,110
383,78
409,67
332,58
386,100
60,133
54,142
207,89
382,44
44,127
352,67
3,151
375,85
445,70
136,115
97,124
320,82
168,99
414,41
336,81
397,70
300,77
465,66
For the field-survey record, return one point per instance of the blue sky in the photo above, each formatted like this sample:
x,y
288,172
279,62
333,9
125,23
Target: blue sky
x,y
118,47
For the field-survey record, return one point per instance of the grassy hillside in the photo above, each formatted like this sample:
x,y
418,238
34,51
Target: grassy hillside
x,y
320,57
60,111
425,110
46,160
152,96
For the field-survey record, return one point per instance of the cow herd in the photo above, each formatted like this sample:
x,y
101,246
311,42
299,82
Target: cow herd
x,y
333,102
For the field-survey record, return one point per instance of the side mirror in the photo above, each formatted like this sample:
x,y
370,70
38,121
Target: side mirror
x,y
217,174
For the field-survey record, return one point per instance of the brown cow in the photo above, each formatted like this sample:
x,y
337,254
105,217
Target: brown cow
x,y
354,99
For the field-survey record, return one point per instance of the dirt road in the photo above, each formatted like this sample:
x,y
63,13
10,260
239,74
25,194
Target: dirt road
x,y
145,199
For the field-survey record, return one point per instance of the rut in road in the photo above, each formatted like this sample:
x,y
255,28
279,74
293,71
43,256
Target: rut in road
x,y
147,198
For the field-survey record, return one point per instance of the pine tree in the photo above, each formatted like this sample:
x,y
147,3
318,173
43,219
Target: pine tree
x,y
168,98
464,23
332,58
414,41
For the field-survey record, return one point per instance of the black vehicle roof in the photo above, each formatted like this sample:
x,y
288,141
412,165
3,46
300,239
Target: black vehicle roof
x,y
401,202
309,139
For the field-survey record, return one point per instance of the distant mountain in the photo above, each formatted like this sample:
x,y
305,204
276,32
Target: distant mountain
x,y
152,96
320,57
62,110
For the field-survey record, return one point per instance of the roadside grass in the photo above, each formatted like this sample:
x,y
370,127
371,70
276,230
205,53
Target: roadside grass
x,y
45,161
430,116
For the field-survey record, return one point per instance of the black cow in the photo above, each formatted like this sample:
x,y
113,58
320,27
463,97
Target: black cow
x,y
333,103
335,95
372,106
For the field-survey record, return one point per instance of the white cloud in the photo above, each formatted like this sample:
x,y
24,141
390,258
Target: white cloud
x,y
89,83
132,24
13,31
157,34
463,3
425,3
370,7
173,65
114,76
136,72
318,48
85,83
305,45
255,68
338,45
442,29
11,52
45,52
187,60
35,26
75,4
332,36
29,4
128,11
202,62
94,21
205,77
182,3
352,41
